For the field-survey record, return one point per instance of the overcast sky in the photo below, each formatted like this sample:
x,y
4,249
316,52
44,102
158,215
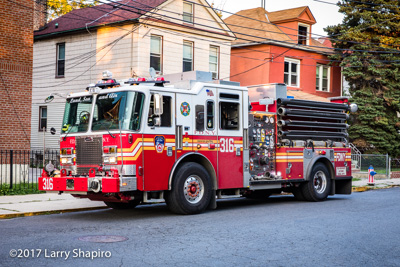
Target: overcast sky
x,y
325,14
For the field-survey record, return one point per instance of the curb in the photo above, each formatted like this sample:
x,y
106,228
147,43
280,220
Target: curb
x,y
366,188
361,189
27,214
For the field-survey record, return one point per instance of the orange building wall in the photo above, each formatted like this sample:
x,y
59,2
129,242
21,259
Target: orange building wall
x,y
272,72
290,28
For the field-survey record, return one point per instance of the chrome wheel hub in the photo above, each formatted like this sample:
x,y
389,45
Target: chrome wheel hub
x,y
193,189
320,182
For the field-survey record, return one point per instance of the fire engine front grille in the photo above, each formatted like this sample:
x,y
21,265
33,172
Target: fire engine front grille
x,y
88,153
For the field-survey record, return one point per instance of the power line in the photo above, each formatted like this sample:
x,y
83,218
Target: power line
x,y
323,36
147,16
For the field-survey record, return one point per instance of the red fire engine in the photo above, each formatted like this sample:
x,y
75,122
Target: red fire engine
x,y
147,141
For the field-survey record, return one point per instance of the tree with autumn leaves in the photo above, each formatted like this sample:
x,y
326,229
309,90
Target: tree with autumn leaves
x,y
367,44
58,8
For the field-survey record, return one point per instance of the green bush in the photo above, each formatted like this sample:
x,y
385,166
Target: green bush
x,y
20,189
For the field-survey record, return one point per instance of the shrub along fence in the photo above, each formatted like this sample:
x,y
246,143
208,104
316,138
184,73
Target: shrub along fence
x,y
20,169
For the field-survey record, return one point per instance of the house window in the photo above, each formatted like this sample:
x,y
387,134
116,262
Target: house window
x,y
302,37
323,75
214,53
42,118
187,56
187,12
156,52
60,71
292,72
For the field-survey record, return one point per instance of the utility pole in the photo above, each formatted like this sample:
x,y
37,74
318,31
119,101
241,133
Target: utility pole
x,y
263,4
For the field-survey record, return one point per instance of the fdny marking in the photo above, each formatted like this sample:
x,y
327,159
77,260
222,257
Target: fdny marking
x,y
159,142
185,109
205,133
340,156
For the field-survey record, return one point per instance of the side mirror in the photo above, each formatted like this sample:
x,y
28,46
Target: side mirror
x,y
157,121
158,104
53,131
49,99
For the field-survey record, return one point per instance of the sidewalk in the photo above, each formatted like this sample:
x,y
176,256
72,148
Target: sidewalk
x,y
39,204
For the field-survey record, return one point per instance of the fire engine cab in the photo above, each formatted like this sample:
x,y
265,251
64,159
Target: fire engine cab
x,y
147,141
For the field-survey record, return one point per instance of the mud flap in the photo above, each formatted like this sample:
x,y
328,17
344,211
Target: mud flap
x,y
213,201
343,186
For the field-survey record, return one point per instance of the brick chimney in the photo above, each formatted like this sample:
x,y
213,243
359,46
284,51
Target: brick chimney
x,y
40,14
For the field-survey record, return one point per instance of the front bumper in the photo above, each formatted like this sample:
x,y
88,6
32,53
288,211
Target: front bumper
x,y
86,184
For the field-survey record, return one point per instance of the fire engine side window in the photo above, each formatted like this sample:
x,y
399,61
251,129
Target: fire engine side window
x,y
199,118
229,117
210,115
165,117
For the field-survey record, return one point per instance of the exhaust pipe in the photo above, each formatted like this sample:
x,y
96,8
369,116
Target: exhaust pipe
x,y
311,104
312,114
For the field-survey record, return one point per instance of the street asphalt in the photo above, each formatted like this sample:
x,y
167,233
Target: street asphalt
x,y
361,229
39,204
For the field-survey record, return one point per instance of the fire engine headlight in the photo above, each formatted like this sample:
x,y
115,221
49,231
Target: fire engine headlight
x,y
66,160
279,174
110,160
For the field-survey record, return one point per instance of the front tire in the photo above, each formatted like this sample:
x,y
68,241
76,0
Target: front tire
x,y
123,206
319,185
191,190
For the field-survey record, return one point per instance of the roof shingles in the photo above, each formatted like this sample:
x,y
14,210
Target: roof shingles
x,y
99,15
256,25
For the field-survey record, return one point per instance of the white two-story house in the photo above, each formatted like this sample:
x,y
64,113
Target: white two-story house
x,y
127,38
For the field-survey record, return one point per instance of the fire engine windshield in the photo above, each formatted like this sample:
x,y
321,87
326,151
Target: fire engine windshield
x,y
77,114
113,110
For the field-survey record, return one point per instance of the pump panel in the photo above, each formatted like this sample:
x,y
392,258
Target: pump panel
x,y
262,144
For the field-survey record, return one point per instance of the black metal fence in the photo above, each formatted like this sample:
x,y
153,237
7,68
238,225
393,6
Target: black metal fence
x,y
22,168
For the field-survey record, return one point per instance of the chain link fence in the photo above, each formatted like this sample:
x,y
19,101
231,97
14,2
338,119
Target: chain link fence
x,y
395,167
383,164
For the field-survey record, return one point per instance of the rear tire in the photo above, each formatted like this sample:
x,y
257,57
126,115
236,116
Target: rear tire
x,y
123,206
191,190
319,184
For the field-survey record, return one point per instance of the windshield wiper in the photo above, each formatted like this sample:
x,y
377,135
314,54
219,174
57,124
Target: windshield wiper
x,y
70,129
107,129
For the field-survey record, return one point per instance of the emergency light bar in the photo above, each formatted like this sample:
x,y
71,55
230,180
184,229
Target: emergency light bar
x,y
158,82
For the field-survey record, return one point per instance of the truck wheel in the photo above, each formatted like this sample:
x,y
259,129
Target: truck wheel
x,y
123,206
319,185
191,190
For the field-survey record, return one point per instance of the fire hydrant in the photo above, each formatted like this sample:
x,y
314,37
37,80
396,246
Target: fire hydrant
x,y
371,174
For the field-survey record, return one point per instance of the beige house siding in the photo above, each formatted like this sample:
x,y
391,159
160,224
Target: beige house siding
x,y
88,54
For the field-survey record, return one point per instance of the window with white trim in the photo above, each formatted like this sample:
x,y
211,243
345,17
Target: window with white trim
x,y
187,12
323,78
156,52
60,71
187,56
303,34
42,118
291,75
213,61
